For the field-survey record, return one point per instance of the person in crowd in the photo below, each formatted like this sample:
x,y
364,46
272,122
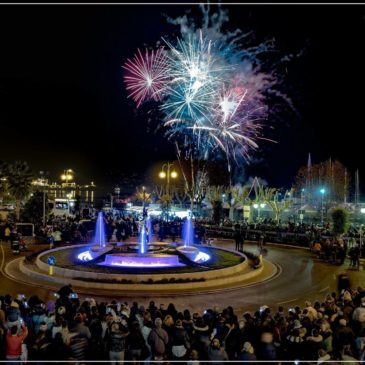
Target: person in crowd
x,y
247,354
14,341
216,353
158,339
116,336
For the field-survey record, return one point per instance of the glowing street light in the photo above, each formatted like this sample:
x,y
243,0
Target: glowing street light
x,y
67,175
259,206
322,191
162,174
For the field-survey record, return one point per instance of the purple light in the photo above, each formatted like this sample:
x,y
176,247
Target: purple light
x,y
158,260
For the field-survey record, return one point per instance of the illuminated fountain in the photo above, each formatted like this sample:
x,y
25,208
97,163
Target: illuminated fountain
x,y
144,257
143,239
190,251
99,237
188,231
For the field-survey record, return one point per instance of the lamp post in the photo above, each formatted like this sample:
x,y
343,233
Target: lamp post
x,y
69,196
167,174
322,191
67,175
259,206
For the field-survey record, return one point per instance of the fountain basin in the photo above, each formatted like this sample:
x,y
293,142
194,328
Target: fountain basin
x,y
142,260
194,254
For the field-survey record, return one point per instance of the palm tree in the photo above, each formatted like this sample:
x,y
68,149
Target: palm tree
x,y
19,181
214,195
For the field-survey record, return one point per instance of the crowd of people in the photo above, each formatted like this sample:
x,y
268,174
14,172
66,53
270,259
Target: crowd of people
x,y
68,328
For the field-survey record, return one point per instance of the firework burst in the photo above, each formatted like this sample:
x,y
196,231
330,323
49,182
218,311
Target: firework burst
x,y
146,75
211,87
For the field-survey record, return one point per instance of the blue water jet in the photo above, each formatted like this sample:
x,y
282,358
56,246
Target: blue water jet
x,y
143,239
99,237
188,230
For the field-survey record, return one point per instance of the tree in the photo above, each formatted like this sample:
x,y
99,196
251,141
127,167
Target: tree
x,y
237,195
331,175
214,195
33,208
277,205
19,180
340,221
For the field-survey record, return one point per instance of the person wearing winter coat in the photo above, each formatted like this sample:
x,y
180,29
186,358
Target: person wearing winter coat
x,y
116,338
216,352
267,350
180,341
247,354
158,340
312,345
135,342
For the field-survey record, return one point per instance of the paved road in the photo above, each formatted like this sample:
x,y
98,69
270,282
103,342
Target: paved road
x,y
302,278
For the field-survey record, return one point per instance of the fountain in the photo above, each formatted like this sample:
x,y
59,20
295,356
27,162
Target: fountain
x,y
99,237
144,257
191,252
188,231
143,239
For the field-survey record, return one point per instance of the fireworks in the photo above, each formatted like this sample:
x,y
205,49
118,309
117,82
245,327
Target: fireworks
x,y
211,90
146,75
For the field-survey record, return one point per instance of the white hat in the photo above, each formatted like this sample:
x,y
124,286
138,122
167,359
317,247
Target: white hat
x,y
297,324
343,322
248,347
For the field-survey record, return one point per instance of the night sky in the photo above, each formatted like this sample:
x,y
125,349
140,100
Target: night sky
x,y
63,102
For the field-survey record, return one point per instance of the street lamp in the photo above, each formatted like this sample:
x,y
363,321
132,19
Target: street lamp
x,y
259,207
69,196
322,191
67,175
167,174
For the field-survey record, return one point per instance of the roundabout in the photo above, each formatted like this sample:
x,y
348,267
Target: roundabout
x,y
298,277
224,268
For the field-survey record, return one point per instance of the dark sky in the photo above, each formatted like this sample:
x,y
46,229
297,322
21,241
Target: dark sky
x,y
63,102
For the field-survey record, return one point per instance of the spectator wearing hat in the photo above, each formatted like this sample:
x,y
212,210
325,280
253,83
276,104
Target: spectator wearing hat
x,y
247,354
158,339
